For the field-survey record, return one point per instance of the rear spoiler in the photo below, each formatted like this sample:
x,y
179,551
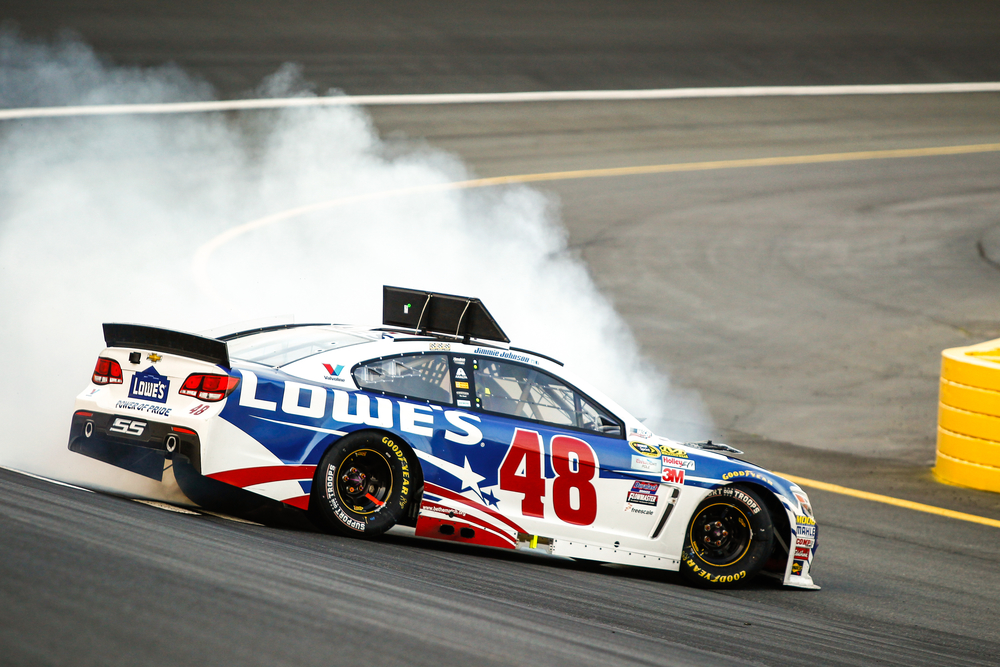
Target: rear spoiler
x,y
165,340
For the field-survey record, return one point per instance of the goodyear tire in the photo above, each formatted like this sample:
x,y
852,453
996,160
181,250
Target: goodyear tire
x,y
364,484
729,538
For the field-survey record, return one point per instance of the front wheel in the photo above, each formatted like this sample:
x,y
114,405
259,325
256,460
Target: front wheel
x,y
363,484
729,538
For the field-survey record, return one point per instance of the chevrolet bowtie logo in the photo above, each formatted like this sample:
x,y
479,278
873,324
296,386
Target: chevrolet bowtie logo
x,y
154,357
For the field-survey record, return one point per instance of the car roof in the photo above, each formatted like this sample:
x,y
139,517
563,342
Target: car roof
x,y
286,346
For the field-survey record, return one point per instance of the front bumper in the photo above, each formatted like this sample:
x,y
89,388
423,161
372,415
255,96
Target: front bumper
x,y
802,552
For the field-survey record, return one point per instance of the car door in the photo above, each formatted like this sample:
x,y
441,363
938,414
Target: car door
x,y
557,459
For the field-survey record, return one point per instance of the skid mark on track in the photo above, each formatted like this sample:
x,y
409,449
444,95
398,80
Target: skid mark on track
x,y
165,506
889,500
228,517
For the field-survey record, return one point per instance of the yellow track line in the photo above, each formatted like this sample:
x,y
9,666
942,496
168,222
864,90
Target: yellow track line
x,y
738,164
204,252
889,500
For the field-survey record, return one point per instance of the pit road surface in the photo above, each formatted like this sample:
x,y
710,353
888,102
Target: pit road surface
x,y
808,304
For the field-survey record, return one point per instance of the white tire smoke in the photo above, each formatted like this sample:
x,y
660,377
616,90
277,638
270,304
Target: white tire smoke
x,y
100,218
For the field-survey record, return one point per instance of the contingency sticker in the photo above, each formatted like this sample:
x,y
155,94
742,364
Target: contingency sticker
x,y
645,450
642,486
645,465
672,451
641,498
673,476
674,462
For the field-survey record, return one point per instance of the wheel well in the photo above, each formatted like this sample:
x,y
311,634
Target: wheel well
x,y
779,519
417,471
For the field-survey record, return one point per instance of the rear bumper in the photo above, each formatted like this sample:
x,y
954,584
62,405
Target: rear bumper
x,y
151,448
140,446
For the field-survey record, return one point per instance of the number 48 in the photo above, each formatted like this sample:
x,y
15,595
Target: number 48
x,y
521,472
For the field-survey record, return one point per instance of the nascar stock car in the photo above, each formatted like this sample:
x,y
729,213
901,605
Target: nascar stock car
x,y
432,421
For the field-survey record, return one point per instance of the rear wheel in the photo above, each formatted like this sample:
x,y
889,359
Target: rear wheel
x,y
729,538
363,484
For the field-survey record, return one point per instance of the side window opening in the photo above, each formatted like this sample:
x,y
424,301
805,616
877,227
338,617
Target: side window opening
x,y
594,418
422,376
520,391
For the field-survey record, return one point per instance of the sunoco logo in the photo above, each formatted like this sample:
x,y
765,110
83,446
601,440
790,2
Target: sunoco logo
x,y
149,385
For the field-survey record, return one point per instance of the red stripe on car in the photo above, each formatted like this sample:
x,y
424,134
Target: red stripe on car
x,y
448,493
245,477
302,502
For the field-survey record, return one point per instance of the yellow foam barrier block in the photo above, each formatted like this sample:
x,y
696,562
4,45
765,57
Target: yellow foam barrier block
x,y
983,401
974,366
966,473
974,450
972,424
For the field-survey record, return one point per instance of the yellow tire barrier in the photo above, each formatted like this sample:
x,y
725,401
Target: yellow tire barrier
x,y
973,450
983,401
968,441
961,422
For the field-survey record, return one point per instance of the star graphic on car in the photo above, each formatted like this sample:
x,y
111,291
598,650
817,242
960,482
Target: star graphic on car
x,y
469,478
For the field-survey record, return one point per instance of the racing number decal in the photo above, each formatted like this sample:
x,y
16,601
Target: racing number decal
x,y
575,465
566,451
526,448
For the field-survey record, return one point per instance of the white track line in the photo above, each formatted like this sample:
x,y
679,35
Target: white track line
x,y
494,98
46,479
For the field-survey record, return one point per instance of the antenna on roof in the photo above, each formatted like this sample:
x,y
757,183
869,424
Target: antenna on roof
x,y
433,312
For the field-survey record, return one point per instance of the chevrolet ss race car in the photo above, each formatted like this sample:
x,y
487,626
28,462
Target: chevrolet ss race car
x,y
432,421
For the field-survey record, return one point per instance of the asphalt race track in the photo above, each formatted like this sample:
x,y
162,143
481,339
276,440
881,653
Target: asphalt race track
x,y
92,580
807,303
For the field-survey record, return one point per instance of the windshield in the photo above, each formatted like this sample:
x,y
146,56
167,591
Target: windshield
x,y
277,348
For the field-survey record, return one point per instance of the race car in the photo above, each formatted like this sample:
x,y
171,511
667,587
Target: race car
x,y
432,421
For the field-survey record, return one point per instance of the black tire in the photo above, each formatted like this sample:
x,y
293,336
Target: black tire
x,y
729,538
364,484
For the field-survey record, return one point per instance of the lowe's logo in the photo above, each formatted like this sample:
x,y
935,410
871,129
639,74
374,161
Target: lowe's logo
x,y
149,385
